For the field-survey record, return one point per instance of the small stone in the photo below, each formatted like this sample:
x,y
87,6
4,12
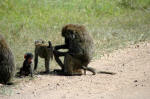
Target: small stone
x,y
18,93
58,84
121,71
135,81
137,46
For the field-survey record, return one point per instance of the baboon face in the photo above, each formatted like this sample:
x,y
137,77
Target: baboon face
x,y
72,28
26,69
74,31
28,57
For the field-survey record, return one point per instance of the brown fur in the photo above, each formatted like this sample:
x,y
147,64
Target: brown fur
x,y
26,68
80,49
44,51
7,64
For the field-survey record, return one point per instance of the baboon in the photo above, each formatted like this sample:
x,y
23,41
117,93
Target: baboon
x,y
80,49
26,69
7,63
44,51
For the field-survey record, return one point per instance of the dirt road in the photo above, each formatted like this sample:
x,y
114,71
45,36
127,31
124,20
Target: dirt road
x,y
132,80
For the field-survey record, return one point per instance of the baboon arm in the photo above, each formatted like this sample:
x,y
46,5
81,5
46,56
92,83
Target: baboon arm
x,y
61,47
24,64
1,57
58,53
20,72
31,69
47,65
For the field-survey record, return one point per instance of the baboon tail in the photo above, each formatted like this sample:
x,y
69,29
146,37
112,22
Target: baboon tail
x,y
89,69
105,72
51,49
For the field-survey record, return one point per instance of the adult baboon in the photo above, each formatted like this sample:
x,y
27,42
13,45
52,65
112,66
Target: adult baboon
x,y
80,49
7,64
26,68
44,51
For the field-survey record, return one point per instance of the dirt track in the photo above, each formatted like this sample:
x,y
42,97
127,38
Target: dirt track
x,y
132,80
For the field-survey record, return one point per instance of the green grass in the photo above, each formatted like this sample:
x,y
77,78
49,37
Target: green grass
x,y
112,23
6,90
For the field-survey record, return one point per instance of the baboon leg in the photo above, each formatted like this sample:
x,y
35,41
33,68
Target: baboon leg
x,y
77,72
21,72
70,66
31,71
89,69
58,54
35,61
49,44
47,65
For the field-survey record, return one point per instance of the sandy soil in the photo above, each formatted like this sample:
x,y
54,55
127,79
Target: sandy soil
x,y
132,80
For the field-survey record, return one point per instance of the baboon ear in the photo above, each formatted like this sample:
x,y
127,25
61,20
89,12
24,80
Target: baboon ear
x,y
25,56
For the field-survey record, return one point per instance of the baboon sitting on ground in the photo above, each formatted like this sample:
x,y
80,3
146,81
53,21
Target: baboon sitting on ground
x,y
7,64
26,69
44,51
80,49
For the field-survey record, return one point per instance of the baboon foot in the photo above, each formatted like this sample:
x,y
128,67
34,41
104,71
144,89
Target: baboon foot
x,y
72,74
58,71
46,72
9,83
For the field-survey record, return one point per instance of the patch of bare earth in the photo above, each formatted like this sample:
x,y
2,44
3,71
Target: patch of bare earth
x,y
132,80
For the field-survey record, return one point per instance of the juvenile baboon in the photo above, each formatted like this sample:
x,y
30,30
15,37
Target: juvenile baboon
x,y
44,51
80,49
7,64
26,69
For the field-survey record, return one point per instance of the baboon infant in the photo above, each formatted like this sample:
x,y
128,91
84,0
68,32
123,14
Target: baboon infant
x,y
26,69
80,49
7,64
44,51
